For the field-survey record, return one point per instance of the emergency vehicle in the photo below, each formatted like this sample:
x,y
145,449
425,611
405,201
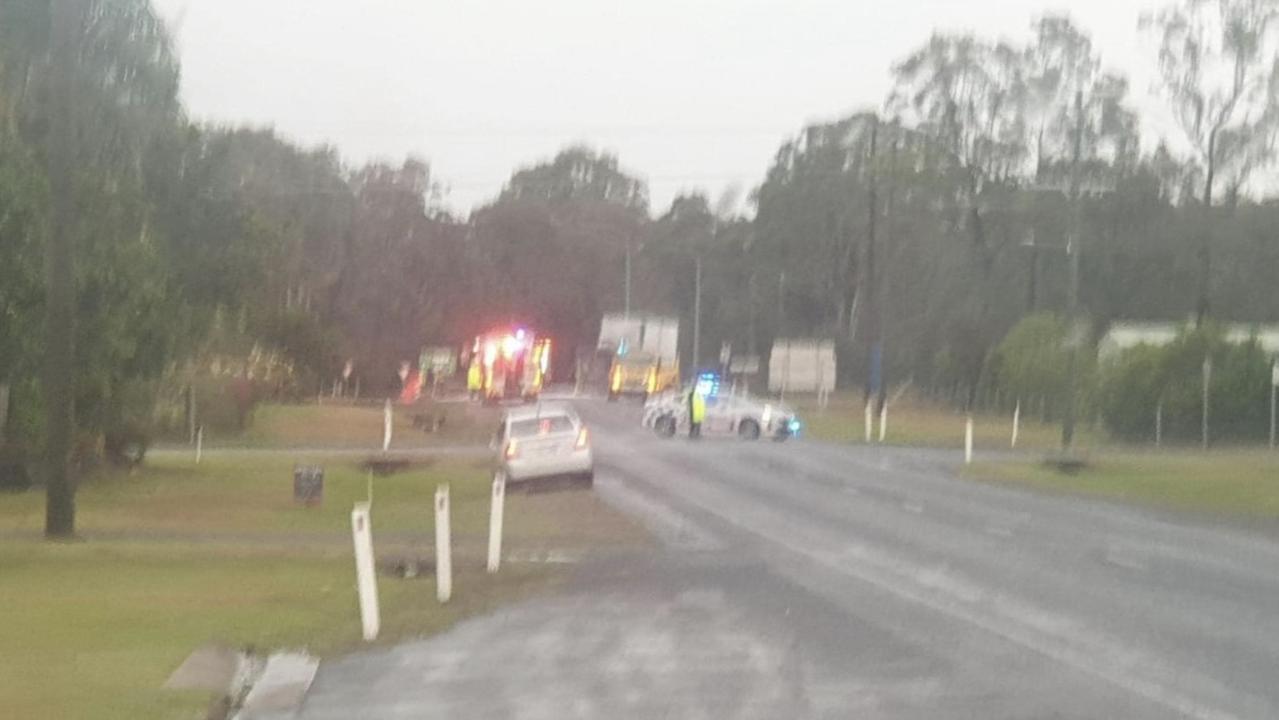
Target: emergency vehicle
x,y
726,414
513,363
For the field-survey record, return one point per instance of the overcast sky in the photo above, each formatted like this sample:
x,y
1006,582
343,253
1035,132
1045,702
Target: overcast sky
x,y
690,94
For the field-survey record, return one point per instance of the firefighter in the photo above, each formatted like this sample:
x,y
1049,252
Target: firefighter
x,y
474,378
696,412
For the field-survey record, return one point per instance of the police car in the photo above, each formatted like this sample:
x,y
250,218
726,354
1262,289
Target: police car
x,y
726,415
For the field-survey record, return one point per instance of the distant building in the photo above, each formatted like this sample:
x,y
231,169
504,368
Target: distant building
x,y
1123,335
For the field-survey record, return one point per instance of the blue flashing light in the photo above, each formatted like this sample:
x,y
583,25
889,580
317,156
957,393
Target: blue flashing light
x,y
708,384
795,427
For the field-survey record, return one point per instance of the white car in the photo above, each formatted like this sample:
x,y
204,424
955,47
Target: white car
x,y
544,440
726,415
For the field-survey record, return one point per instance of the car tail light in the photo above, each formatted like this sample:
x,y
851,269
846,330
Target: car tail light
x,y
512,450
583,439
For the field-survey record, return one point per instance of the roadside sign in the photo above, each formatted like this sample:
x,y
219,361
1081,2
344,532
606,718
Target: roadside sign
x,y
440,361
308,485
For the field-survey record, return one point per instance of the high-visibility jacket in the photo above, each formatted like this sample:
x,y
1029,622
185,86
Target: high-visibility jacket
x,y
474,377
696,407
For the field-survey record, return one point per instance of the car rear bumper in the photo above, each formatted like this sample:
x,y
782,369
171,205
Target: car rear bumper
x,y
575,463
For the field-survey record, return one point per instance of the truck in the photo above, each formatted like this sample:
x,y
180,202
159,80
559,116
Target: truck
x,y
514,363
642,353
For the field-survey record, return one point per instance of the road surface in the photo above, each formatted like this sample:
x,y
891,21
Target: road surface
x,y
803,580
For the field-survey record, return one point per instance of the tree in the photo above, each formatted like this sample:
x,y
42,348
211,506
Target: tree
x,y
1220,73
970,96
110,83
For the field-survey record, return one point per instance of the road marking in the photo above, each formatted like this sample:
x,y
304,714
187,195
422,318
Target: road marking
x,y
1124,560
998,531
913,508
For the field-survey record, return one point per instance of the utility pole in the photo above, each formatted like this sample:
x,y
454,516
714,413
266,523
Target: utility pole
x,y
1072,248
697,311
59,355
1032,287
626,307
873,330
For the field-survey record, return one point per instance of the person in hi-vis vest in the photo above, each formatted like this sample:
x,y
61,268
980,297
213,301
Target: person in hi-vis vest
x,y
696,412
474,378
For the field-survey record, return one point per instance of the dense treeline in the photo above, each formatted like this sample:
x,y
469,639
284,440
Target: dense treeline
x,y
926,227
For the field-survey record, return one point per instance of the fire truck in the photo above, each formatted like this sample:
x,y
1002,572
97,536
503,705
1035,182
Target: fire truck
x,y
513,363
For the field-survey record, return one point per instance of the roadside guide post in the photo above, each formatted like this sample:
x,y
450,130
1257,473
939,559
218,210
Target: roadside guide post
x,y
496,510
1274,390
968,440
199,444
365,578
869,421
386,426
1016,424
1159,424
443,550
1207,382
883,422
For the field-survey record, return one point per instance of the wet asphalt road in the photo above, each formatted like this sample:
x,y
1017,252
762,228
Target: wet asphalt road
x,y
803,580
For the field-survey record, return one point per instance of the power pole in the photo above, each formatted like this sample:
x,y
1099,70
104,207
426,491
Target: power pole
x,y
1072,248
626,307
697,312
59,355
873,330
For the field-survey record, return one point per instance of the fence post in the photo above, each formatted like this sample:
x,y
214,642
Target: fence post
x,y
443,548
496,512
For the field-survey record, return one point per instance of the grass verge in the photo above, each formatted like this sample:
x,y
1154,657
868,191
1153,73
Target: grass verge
x,y
178,556
917,424
1235,483
343,425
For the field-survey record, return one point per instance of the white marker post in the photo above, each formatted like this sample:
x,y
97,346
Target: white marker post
x,y
1159,424
870,422
386,427
883,423
497,508
199,444
365,576
1274,390
443,550
968,440
1016,424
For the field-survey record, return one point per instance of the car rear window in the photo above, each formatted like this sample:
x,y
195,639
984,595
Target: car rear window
x,y
541,426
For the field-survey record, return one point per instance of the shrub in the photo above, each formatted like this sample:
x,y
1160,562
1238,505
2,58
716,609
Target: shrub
x,y
1143,377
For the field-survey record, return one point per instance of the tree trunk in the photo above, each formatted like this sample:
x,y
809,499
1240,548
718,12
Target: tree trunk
x,y
59,356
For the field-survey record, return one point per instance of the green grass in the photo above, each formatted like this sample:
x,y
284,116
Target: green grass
x,y
918,424
343,425
1231,483
178,556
